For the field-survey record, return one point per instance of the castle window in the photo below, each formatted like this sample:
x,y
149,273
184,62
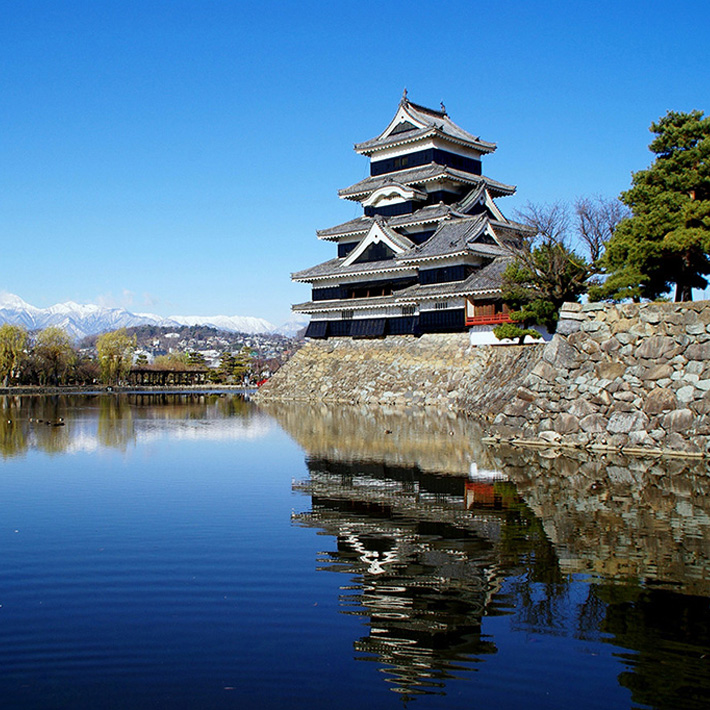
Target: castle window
x,y
408,310
441,305
443,275
347,315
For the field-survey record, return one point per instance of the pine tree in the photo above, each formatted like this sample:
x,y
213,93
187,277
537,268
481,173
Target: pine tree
x,y
666,241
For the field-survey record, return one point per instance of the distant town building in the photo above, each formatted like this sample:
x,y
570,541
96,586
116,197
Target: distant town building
x,y
429,251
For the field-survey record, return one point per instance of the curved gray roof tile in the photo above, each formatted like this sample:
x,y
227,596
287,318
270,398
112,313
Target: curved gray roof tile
x,y
420,175
437,122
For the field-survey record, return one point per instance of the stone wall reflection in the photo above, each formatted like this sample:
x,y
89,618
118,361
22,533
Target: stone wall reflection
x,y
611,515
432,441
620,517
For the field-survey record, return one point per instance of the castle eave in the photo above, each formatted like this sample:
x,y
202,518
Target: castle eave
x,y
412,297
430,214
328,270
360,304
358,226
413,122
433,257
458,292
420,176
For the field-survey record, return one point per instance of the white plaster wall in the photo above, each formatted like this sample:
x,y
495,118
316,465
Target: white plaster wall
x,y
483,335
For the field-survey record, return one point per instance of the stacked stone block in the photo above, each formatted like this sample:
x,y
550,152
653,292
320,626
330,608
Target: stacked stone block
x,y
622,376
440,371
631,375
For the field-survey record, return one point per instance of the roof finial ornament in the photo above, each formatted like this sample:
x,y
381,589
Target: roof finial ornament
x,y
404,96
443,108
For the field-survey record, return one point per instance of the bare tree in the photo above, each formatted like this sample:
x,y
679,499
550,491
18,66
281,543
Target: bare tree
x,y
545,271
549,223
551,253
597,220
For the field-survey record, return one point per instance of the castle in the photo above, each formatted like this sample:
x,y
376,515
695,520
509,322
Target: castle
x,y
428,254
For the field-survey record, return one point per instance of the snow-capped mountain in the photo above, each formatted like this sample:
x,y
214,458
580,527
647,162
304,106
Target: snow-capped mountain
x,y
81,320
76,319
240,324
292,327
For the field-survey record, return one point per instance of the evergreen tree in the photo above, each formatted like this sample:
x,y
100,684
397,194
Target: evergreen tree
x,y
235,366
196,359
666,241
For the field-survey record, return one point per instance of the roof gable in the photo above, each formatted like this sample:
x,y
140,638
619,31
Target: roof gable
x,y
402,127
458,236
393,192
379,234
481,195
403,122
412,122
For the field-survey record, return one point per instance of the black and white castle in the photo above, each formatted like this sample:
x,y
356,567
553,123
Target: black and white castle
x,y
429,251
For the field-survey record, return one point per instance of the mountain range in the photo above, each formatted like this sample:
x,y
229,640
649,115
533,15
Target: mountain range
x,y
81,320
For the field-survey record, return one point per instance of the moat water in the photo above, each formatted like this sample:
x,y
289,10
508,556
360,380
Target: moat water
x,y
196,551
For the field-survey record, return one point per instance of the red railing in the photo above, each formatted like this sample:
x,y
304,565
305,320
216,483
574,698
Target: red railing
x,y
489,320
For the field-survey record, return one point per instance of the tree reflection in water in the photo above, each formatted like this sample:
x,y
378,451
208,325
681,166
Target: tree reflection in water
x,y
603,550
58,423
115,428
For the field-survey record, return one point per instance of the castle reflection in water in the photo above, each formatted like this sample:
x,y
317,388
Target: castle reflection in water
x,y
423,567
436,532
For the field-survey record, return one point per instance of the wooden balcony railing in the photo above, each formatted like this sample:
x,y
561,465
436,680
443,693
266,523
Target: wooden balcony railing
x,y
493,319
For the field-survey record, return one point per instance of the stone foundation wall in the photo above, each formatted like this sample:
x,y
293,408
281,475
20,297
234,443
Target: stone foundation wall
x,y
631,375
443,371
620,376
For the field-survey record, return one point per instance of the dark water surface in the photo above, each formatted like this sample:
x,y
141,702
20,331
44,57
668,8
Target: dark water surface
x,y
194,551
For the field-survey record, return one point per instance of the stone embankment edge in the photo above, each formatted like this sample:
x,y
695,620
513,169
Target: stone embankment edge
x,y
635,451
630,378
437,371
120,389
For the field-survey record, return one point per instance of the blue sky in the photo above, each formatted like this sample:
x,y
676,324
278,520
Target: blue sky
x,y
177,157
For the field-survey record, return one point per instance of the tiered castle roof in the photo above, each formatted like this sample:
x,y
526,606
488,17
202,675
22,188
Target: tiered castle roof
x,y
428,208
